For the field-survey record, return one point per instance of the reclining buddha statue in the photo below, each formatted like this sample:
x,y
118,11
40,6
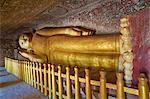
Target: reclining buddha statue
x,y
75,46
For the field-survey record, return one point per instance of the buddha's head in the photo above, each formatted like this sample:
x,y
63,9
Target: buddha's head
x,y
124,22
24,40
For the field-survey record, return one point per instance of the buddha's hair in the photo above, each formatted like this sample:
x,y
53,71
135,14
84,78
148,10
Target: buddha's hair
x,y
28,35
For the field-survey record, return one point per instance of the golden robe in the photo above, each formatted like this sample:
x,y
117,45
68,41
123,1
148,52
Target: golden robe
x,y
100,51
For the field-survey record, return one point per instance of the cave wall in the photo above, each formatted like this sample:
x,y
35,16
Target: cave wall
x,y
140,31
7,49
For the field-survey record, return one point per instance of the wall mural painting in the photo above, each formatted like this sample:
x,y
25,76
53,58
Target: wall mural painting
x,y
140,32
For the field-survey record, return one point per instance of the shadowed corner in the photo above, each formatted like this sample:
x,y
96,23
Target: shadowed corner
x,y
10,83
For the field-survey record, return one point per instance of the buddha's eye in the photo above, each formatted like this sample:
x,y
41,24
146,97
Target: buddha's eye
x,y
22,43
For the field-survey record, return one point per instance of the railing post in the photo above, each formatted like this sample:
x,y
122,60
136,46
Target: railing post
x,y
77,84
143,87
31,72
120,86
41,77
6,63
49,80
29,79
88,85
20,70
45,80
60,82
28,72
36,69
24,68
25,71
34,77
103,92
68,82
53,82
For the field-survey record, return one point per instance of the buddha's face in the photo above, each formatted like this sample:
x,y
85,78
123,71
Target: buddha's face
x,y
24,41
124,22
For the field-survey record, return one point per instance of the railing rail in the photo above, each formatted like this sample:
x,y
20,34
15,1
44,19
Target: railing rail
x,y
49,81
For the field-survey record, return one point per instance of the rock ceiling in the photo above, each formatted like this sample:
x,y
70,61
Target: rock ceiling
x,y
18,16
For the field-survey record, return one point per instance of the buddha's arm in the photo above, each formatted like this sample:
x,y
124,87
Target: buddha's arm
x,y
33,57
108,44
74,31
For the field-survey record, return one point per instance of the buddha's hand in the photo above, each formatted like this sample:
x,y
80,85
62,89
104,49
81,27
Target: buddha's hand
x,y
24,54
33,57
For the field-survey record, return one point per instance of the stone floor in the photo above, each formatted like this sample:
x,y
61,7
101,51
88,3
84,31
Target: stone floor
x,y
13,88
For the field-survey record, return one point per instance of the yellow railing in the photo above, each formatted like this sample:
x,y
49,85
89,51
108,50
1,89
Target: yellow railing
x,y
49,81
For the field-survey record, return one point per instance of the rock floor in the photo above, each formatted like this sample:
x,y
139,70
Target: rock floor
x,y
13,88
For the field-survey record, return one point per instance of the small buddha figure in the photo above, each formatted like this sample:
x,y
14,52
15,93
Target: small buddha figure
x,y
126,50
